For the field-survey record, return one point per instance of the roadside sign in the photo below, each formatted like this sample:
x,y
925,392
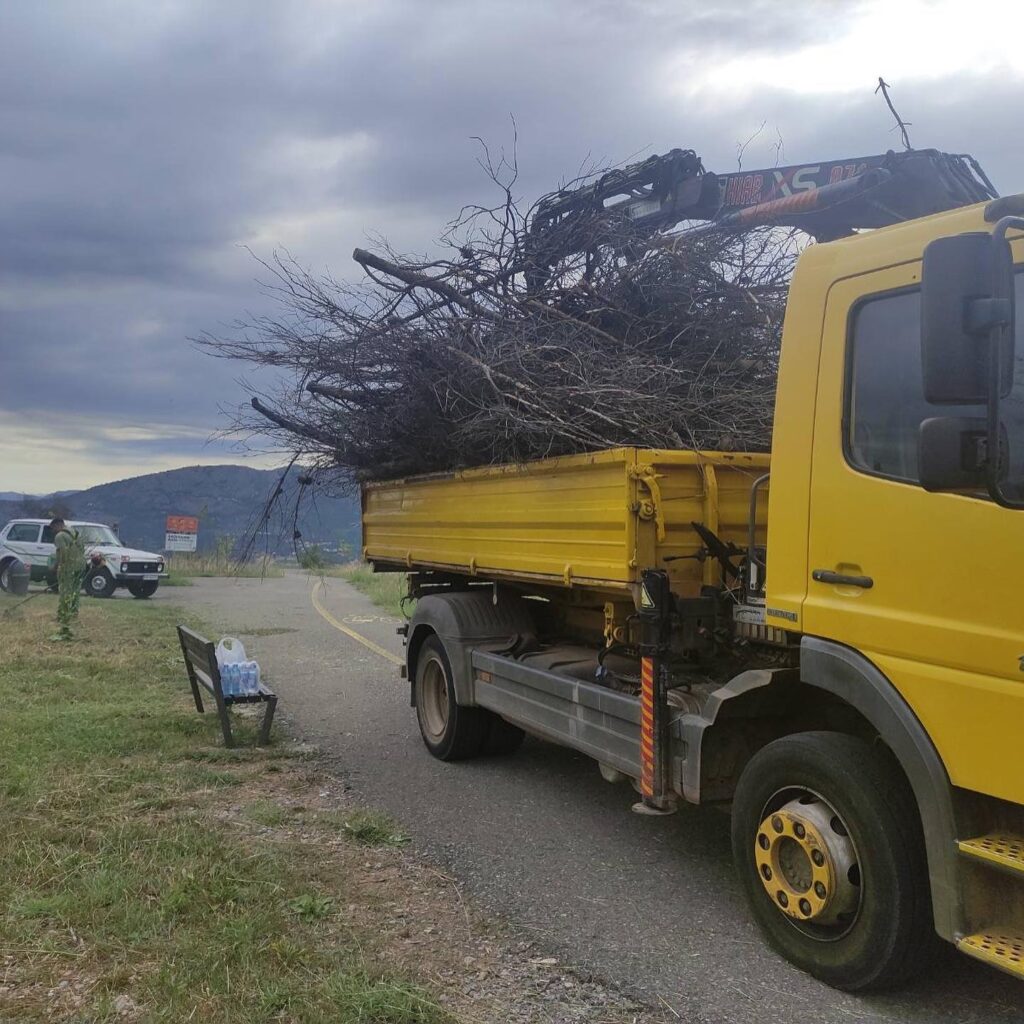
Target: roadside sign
x,y
181,533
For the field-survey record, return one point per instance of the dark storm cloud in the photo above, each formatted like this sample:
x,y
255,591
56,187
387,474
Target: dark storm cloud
x,y
141,144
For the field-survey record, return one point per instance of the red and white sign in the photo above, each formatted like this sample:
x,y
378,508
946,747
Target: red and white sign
x,y
182,524
182,532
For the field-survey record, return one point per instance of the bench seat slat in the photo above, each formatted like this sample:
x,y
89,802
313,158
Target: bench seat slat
x,y
249,698
203,677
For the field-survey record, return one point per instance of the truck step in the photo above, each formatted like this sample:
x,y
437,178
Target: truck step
x,y
1000,947
1000,849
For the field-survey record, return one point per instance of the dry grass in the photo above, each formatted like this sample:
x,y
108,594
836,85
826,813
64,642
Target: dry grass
x,y
182,566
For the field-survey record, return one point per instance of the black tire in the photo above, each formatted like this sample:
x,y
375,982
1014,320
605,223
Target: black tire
x,y
143,588
890,935
99,583
503,738
5,576
450,731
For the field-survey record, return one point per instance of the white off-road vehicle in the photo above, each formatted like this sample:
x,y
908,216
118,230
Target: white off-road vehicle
x,y
110,563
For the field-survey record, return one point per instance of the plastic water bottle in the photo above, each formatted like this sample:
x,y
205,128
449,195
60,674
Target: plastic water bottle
x,y
229,679
253,679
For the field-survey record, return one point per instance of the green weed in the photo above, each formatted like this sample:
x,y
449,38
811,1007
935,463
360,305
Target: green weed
x,y
311,907
372,828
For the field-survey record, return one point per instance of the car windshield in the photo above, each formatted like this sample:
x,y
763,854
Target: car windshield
x,y
96,535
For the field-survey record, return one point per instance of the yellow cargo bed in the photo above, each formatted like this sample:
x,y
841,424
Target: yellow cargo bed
x,y
594,520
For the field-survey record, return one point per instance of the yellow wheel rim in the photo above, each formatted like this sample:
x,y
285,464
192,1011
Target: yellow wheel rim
x,y
807,862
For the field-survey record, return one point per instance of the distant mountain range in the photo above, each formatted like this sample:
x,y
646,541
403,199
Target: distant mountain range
x,y
21,496
227,500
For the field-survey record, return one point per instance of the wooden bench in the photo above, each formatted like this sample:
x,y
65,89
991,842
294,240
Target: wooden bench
x,y
200,657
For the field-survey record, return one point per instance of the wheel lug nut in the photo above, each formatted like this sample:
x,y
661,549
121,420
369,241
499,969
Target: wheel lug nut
x,y
799,830
777,823
805,908
783,899
766,872
818,857
820,891
763,841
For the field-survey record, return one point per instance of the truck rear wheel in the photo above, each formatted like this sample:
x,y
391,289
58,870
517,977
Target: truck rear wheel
x,y
452,731
828,846
502,737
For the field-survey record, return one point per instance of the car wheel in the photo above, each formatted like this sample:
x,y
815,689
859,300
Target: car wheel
x,y
99,583
143,588
827,842
5,576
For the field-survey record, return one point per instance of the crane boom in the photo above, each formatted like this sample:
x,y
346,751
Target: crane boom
x,y
828,199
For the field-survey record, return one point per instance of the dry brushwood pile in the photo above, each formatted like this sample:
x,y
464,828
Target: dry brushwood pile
x,y
667,341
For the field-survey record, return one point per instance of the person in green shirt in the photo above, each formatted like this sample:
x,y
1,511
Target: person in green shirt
x,y
62,537
69,565
67,554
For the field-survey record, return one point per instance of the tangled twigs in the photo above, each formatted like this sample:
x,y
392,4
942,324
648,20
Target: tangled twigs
x,y
669,341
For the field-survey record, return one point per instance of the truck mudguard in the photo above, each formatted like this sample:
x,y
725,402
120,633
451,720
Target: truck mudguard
x,y
466,620
851,677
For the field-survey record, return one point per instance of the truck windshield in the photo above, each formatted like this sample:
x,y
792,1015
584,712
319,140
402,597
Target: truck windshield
x,y
96,535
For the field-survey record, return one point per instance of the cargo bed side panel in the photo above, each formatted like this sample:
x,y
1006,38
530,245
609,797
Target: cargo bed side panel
x,y
566,519
587,520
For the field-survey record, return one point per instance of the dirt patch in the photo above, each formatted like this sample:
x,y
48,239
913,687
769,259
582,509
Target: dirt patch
x,y
478,968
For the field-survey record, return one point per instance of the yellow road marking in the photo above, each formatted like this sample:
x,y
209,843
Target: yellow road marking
x,y
348,631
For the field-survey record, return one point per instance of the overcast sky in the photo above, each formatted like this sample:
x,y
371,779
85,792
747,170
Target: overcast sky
x,y
144,144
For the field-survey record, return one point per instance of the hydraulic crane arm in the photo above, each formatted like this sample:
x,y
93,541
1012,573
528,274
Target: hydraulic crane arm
x,y
827,200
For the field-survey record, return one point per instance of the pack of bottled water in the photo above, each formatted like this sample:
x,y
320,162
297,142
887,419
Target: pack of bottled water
x,y
239,675
240,678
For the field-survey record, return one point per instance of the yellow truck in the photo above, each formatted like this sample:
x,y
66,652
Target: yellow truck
x,y
828,640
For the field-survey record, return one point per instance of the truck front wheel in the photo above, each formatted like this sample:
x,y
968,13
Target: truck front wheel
x,y
452,731
828,846
143,588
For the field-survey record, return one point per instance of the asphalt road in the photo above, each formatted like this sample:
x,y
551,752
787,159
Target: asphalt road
x,y
649,904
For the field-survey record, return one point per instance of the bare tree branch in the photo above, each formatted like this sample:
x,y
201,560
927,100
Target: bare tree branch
x,y
437,363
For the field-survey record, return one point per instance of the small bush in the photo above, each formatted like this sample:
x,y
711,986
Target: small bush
x,y
312,558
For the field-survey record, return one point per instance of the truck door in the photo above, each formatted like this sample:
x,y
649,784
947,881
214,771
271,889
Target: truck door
x,y
926,586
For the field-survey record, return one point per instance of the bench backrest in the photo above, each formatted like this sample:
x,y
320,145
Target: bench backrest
x,y
201,655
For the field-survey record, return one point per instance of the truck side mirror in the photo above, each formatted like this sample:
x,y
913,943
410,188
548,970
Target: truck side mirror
x,y
952,453
966,292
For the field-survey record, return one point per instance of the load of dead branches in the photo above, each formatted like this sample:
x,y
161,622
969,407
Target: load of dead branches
x,y
490,353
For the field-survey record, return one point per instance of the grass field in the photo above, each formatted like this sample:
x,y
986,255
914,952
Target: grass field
x,y
151,875
385,589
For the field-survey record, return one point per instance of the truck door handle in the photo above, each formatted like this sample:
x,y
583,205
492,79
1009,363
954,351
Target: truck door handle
x,y
841,579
